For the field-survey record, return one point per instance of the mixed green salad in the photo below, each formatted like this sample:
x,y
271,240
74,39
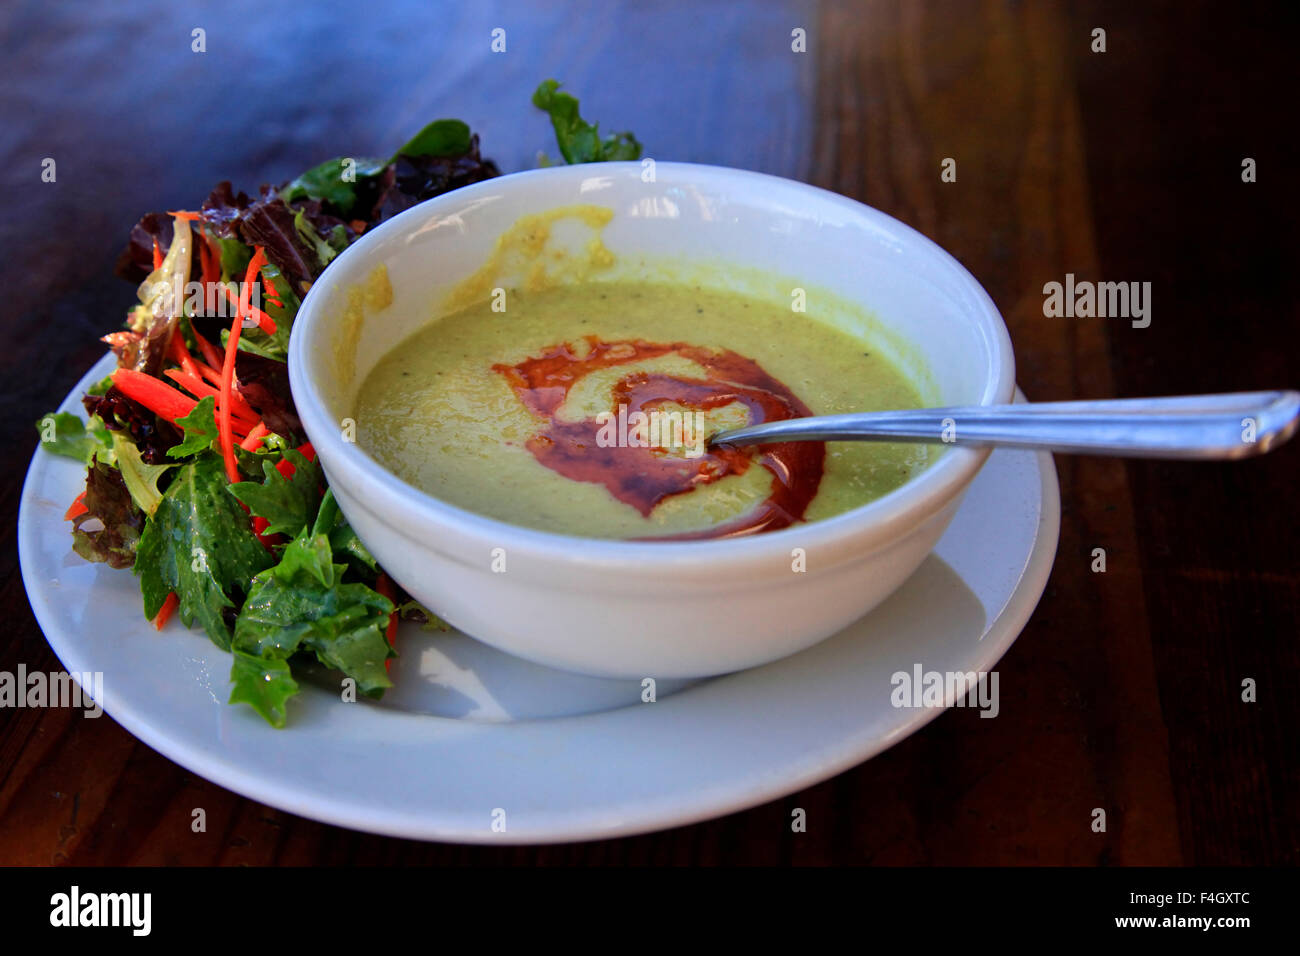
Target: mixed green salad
x,y
199,476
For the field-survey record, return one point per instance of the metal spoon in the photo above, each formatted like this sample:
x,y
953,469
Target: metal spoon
x,y
1234,425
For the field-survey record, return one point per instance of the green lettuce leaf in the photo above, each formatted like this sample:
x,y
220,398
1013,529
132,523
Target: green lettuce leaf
x,y
63,433
326,249
198,543
444,137
333,182
141,479
303,604
343,540
288,504
264,684
580,141
235,257
200,430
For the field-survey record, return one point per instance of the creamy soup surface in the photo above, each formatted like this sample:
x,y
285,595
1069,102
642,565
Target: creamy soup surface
x,y
516,415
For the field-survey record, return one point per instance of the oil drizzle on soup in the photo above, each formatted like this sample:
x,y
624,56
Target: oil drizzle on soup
x,y
642,476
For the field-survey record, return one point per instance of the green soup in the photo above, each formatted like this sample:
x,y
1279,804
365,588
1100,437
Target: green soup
x,y
496,411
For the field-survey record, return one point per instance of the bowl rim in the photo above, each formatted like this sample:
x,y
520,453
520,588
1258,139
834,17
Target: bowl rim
x,y
414,514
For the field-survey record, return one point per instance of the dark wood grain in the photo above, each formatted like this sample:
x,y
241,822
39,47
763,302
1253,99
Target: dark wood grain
x,y
1124,690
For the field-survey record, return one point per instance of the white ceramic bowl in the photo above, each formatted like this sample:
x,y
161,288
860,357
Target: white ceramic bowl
x,y
645,609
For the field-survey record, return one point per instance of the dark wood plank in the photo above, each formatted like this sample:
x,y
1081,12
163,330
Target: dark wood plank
x,y
1218,562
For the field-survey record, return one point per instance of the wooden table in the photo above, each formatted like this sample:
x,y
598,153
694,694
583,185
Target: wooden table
x,y
1124,692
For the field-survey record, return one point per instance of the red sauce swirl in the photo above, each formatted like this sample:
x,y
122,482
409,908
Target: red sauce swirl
x,y
644,477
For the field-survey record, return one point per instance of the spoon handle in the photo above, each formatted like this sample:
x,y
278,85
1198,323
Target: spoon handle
x,y
1233,425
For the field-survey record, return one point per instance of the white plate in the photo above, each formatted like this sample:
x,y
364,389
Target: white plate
x,y
472,736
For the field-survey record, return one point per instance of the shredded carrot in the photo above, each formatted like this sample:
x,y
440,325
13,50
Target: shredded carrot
x,y
208,263
154,394
264,321
185,214
225,398
165,612
179,353
250,274
209,373
224,401
385,586
242,414
192,366
213,247
190,382
239,424
255,437
255,264
242,419
211,354
358,226
157,256
78,507
244,307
